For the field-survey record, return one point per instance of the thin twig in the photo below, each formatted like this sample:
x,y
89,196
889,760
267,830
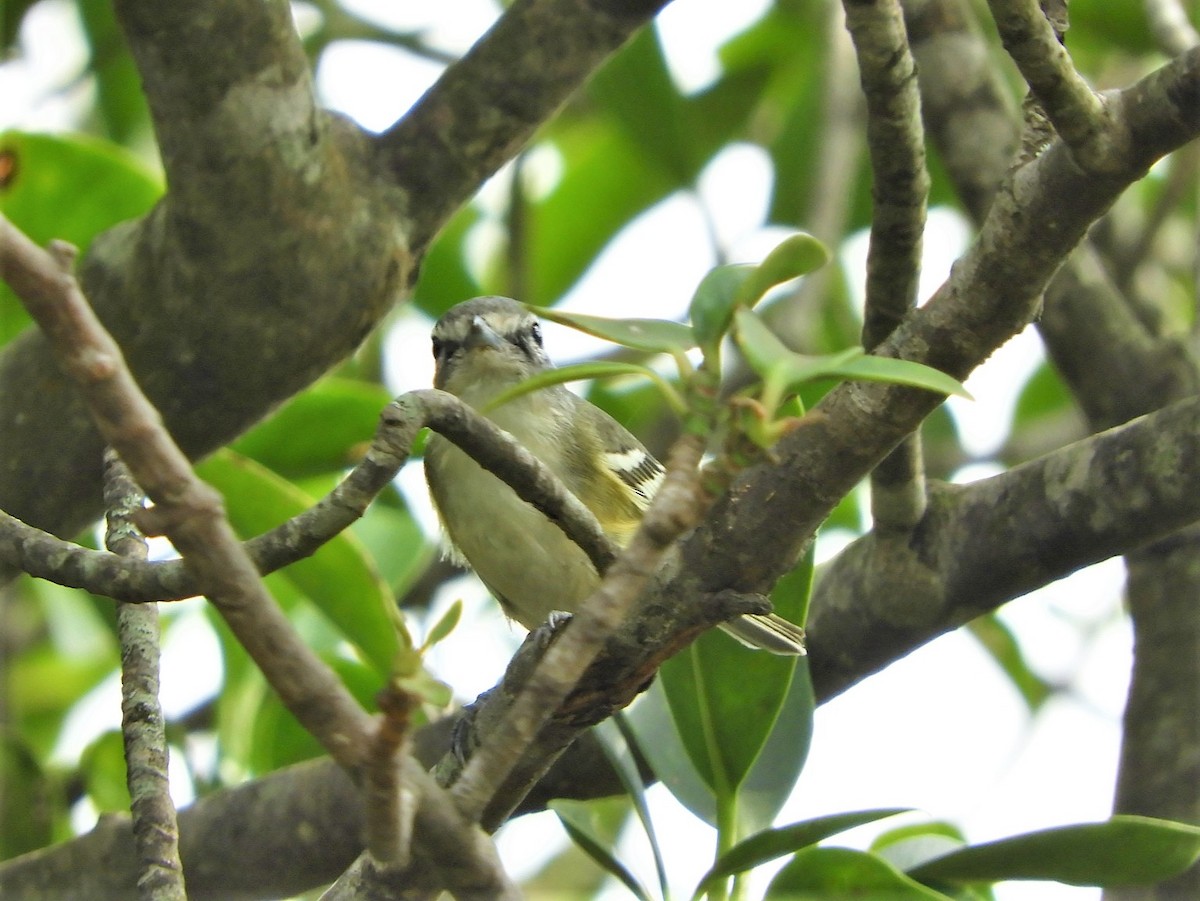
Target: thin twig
x,y
390,806
900,190
155,829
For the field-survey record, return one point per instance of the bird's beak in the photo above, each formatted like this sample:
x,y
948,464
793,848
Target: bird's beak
x,y
482,335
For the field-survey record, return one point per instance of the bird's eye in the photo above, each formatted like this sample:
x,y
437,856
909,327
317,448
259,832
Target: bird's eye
x,y
536,331
437,347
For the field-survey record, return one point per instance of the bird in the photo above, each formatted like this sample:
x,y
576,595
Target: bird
x,y
485,346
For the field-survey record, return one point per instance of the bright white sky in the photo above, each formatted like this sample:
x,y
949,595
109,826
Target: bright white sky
x,y
942,731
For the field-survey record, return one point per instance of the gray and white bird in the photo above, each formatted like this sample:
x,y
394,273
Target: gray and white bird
x,y
485,346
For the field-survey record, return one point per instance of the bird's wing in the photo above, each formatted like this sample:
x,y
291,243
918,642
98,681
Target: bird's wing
x,y
638,471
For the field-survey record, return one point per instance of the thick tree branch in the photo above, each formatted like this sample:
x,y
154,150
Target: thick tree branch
x,y
1108,494
485,108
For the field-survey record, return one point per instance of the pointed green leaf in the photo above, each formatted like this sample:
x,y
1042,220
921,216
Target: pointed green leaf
x,y
725,700
574,817
339,579
818,874
788,370
652,335
795,256
773,776
1124,850
444,626
597,369
771,844
716,298
870,368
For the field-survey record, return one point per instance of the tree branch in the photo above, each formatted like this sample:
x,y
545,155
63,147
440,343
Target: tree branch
x,y
900,188
883,596
1077,112
155,829
487,106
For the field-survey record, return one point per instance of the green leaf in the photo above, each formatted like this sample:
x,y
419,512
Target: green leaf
x,y
605,183
445,279
319,430
575,817
278,739
659,742
795,256
714,301
32,802
339,579
1002,645
103,766
772,779
68,187
819,874
1122,851
651,335
725,700
577,371
791,595
870,368
444,626
783,370
120,101
912,844
636,89
395,542
771,844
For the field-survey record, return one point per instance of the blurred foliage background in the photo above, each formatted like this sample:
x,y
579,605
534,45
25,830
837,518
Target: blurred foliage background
x,y
81,157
